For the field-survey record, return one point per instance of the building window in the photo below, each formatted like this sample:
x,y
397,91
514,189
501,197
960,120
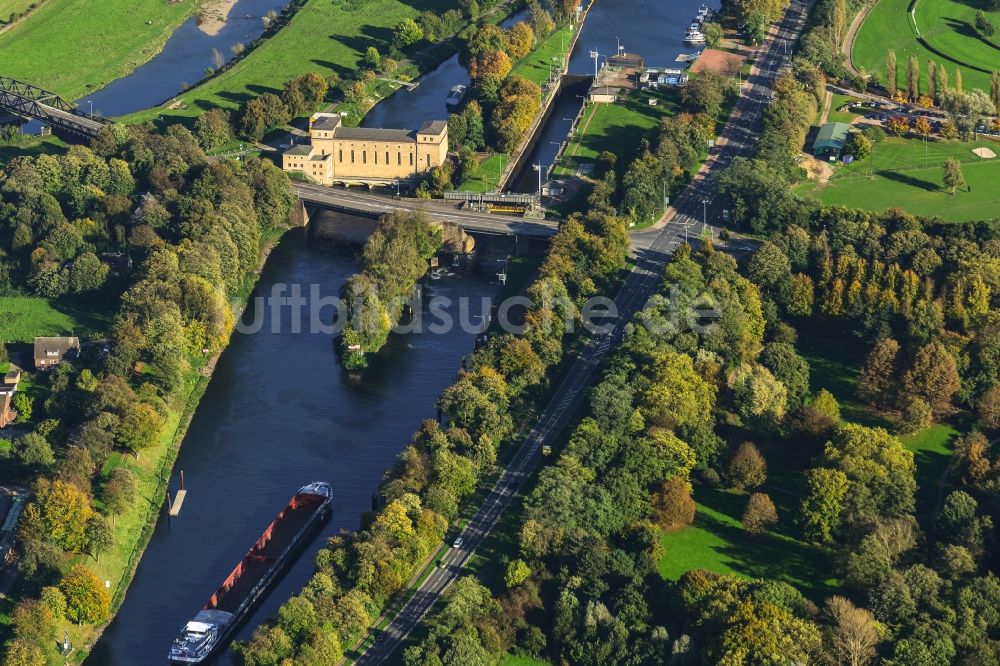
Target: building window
x,y
428,160
399,158
364,157
375,153
411,159
340,155
387,157
352,157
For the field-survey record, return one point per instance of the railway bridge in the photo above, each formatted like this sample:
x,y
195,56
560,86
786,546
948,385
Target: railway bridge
x,y
33,103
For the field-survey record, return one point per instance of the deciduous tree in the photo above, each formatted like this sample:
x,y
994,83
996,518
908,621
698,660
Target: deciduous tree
x,y
747,467
86,598
671,503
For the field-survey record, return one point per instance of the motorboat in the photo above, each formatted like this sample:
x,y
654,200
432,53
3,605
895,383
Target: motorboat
x,y
694,37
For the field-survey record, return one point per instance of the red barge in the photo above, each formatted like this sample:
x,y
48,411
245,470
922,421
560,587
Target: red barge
x,y
248,582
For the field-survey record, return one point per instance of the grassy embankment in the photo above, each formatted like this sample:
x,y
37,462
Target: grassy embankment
x,y
9,8
535,67
324,36
948,26
879,181
74,47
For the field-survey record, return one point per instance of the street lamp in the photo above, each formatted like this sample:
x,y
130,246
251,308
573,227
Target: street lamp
x,y
595,55
538,167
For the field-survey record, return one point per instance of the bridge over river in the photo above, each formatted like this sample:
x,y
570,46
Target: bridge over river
x,y
31,102
374,205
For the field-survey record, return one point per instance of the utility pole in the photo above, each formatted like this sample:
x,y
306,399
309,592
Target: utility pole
x,y
538,167
595,55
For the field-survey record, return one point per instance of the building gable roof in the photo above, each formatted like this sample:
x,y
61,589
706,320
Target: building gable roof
x,y
831,136
55,347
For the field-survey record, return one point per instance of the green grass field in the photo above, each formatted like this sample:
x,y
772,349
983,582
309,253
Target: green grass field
x,y
488,176
917,189
74,47
518,660
932,449
8,7
32,146
836,116
537,65
22,318
717,542
325,36
946,25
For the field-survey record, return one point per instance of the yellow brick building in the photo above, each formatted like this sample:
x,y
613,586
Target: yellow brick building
x,y
347,155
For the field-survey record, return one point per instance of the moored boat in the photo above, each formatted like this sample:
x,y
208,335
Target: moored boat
x,y
246,584
455,96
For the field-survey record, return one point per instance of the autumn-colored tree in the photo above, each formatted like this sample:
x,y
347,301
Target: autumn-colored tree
x,y
490,64
520,39
87,600
852,634
58,514
677,396
897,125
933,377
877,378
988,409
891,73
760,513
34,622
923,126
671,503
913,78
932,82
747,467
518,571
20,652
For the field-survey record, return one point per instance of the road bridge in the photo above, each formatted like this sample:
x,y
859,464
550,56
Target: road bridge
x,y
31,102
375,205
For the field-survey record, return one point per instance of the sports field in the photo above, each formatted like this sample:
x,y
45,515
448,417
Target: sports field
x,y
73,47
947,28
899,174
324,36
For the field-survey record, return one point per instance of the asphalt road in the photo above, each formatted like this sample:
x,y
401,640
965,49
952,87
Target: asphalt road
x,y
652,248
380,203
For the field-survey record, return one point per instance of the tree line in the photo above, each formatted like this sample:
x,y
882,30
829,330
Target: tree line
x,y
146,223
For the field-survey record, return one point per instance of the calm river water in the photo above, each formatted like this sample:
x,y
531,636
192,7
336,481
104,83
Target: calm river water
x,y
279,412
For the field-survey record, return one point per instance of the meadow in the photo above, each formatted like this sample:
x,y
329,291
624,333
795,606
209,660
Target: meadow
x,y
947,28
22,318
103,40
324,36
906,173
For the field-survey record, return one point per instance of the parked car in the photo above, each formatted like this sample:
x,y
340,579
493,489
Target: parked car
x,y
458,543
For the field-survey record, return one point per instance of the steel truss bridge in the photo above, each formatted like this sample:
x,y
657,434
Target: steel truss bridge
x,y
31,102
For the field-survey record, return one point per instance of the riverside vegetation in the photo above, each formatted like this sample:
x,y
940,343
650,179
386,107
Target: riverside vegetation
x,y
101,433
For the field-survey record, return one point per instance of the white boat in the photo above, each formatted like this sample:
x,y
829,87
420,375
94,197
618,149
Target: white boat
x,y
694,37
455,96
703,11
694,27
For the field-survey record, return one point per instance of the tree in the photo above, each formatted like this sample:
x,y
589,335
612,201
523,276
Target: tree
x,y
100,536
913,78
372,57
877,378
213,128
789,368
407,33
983,25
140,425
119,491
87,600
671,503
298,618
852,634
518,571
33,622
858,145
23,405
933,377
520,39
923,126
759,395
822,506
988,409
995,89
747,467
760,513
677,395
952,175
897,125
33,449
704,93
769,266
20,652
713,34
879,468
59,514
891,73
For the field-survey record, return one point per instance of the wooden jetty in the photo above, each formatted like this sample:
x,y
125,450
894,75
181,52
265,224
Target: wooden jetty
x,y
174,507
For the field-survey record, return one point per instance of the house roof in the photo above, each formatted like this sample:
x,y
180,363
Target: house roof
x,y
300,149
60,345
831,136
433,127
374,134
326,122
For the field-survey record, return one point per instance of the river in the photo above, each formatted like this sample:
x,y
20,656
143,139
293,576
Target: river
x,y
279,412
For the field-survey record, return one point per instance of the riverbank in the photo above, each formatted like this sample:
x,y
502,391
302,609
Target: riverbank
x,y
104,41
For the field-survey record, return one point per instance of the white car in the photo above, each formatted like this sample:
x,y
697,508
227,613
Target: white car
x,y
458,543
